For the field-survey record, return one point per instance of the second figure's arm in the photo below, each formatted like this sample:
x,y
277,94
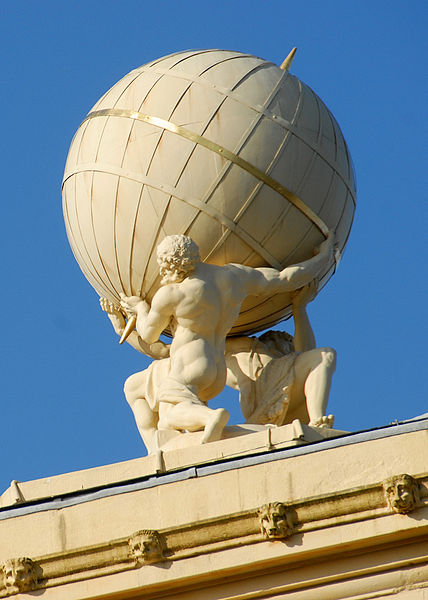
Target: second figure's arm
x,y
304,338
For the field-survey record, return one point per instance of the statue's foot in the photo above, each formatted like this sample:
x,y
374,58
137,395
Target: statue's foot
x,y
214,427
326,421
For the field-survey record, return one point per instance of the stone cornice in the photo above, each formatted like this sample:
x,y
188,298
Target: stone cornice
x,y
277,520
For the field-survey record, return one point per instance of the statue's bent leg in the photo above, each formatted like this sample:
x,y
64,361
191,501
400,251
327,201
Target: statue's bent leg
x,y
313,373
146,418
182,410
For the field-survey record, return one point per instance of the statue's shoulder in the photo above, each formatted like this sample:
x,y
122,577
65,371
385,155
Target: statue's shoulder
x,y
166,295
222,272
236,269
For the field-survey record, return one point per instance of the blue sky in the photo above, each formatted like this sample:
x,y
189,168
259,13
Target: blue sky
x,y
62,371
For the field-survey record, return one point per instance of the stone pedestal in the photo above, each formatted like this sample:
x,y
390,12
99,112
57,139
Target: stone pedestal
x,y
270,514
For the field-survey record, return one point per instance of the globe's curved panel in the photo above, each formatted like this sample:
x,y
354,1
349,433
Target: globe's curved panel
x,y
191,143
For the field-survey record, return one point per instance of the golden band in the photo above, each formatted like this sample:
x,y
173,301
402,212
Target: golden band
x,y
233,158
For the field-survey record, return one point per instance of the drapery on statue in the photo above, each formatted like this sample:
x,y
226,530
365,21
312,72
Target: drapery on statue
x,y
200,302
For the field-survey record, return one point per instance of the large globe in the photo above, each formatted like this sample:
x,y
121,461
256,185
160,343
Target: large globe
x,y
222,146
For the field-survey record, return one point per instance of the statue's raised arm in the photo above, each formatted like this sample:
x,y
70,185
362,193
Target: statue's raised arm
x,y
264,281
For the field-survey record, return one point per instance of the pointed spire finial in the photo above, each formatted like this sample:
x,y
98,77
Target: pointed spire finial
x,y
287,62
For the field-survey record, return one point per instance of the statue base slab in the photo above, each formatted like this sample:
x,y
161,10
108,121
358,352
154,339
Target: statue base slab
x,y
292,434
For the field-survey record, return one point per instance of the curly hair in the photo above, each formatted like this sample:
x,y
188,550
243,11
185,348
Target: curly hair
x,y
278,341
177,256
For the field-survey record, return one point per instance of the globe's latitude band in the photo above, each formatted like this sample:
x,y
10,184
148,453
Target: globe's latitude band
x,y
195,202
234,158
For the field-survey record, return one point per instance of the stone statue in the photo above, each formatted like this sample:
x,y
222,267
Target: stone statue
x,y
280,378
200,303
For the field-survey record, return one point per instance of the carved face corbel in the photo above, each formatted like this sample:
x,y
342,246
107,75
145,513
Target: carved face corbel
x,y
402,493
20,575
146,546
276,521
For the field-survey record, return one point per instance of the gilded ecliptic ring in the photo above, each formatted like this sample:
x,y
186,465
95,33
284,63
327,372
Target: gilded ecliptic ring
x,y
214,147
260,108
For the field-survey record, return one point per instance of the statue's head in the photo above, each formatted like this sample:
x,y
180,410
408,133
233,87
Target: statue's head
x,y
177,257
278,342
402,493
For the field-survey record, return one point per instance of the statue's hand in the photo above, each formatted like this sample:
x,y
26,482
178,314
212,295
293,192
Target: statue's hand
x,y
327,247
130,304
306,294
109,307
114,314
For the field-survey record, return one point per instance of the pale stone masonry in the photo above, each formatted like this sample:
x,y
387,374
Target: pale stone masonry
x,y
251,517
